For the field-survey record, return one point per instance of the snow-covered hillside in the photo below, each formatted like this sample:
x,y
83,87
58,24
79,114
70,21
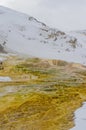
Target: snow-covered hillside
x,y
23,34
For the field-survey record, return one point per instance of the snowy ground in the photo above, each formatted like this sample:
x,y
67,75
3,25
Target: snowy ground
x,y
80,118
23,34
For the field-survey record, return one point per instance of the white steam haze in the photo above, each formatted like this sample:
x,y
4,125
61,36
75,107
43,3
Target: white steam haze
x,y
63,14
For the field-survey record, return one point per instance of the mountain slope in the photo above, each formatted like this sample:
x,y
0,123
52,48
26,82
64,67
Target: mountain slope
x,y
23,34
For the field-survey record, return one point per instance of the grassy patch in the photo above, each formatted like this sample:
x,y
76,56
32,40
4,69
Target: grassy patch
x,y
43,97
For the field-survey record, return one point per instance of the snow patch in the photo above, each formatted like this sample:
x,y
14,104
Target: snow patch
x,y
5,79
80,118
